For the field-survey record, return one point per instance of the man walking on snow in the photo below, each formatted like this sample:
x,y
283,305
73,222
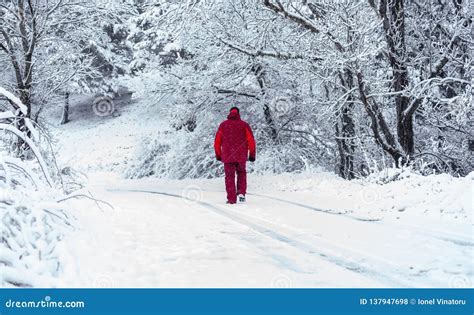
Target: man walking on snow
x,y
235,143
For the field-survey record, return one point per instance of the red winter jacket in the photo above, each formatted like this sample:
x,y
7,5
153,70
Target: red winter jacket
x,y
234,140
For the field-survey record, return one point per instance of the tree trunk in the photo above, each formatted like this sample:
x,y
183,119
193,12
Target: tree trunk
x,y
270,122
22,147
345,133
345,143
393,14
65,116
260,75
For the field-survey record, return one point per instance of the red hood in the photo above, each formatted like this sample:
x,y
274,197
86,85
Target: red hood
x,y
234,115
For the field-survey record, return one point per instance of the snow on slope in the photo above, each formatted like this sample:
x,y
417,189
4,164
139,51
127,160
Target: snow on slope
x,y
92,143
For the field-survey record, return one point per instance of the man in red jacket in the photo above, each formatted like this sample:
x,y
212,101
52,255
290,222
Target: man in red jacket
x,y
235,143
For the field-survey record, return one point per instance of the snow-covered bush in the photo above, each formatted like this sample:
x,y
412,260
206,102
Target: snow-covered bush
x,y
32,222
185,152
168,157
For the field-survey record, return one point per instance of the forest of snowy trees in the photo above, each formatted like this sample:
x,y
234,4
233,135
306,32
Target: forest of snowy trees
x,y
352,86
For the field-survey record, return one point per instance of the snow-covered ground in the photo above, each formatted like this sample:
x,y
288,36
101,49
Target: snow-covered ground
x,y
181,233
92,143
296,230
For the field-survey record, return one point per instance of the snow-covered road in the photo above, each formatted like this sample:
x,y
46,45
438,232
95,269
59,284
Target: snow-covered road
x,y
170,236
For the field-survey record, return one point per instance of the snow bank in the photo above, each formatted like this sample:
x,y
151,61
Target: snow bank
x,y
388,194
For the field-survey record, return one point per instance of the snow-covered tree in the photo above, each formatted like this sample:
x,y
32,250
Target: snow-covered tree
x,y
50,47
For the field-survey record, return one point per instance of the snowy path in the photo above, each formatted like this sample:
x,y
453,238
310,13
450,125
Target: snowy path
x,y
170,237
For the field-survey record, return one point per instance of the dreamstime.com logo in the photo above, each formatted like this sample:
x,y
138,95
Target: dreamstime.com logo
x,y
281,105
45,303
281,281
103,106
192,194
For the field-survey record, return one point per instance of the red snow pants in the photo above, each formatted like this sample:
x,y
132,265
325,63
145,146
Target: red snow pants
x,y
230,170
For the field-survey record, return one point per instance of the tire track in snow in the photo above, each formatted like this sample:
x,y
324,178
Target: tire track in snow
x,y
327,211
449,237
440,235
453,238
375,272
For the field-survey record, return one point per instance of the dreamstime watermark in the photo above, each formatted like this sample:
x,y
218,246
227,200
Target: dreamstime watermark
x,y
459,281
103,106
369,196
103,281
47,302
192,194
281,281
281,104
